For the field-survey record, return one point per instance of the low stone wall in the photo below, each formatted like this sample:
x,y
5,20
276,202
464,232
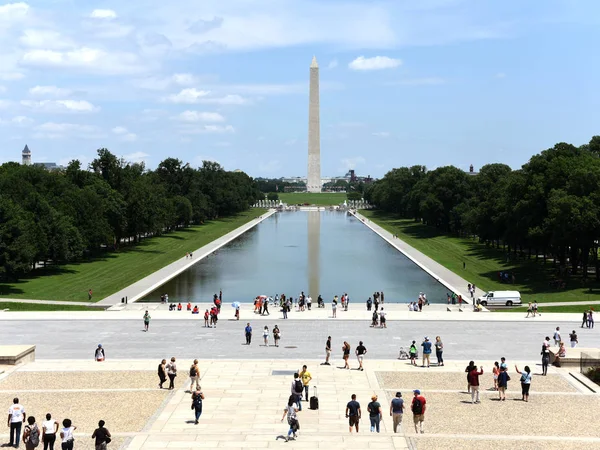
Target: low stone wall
x,y
16,354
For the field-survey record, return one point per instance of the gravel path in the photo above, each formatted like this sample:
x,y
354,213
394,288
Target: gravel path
x,y
406,381
122,411
82,380
488,444
561,415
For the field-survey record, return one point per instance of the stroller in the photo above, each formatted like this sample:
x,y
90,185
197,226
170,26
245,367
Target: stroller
x,y
403,354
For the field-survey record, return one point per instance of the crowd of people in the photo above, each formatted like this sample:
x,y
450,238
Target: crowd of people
x,y
49,431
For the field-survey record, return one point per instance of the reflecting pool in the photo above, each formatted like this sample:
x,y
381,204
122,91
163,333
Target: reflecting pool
x,y
318,252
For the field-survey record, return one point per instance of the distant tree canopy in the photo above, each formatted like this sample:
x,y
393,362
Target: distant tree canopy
x,y
59,216
551,205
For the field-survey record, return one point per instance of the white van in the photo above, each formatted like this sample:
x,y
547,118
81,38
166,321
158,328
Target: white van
x,y
501,298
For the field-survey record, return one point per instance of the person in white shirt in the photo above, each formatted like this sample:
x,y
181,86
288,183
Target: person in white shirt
x,y
309,302
557,336
16,417
49,429
66,435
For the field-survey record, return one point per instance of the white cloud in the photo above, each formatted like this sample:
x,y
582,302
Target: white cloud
x,y
103,14
217,129
374,63
60,106
90,59
136,157
124,134
119,130
231,99
44,38
5,104
351,163
190,95
382,134
184,79
63,127
12,11
333,64
17,121
11,76
53,130
199,116
52,91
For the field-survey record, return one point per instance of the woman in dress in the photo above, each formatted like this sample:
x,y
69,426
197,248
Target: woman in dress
x,y
290,410
346,350
162,373
525,382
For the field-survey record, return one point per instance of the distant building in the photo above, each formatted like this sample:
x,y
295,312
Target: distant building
x,y
26,156
472,171
26,161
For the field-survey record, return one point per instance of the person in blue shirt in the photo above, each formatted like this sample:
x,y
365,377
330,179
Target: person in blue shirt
x,y
426,351
248,331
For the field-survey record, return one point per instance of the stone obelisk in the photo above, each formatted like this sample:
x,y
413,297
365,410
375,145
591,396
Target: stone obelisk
x,y
313,182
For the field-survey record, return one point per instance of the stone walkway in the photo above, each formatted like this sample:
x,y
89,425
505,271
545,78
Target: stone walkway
x,y
444,276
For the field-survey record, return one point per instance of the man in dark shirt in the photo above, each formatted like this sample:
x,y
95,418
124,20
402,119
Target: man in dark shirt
x,y
353,413
248,331
327,351
102,436
396,410
361,351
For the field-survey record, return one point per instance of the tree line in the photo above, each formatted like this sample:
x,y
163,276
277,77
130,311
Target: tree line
x,y
61,216
550,207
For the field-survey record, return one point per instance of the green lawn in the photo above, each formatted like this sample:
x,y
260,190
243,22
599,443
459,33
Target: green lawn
x,y
13,306
320,199
483,263
117,270
556,309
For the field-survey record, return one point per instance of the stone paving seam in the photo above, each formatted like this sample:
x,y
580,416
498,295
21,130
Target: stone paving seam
x,y
506,437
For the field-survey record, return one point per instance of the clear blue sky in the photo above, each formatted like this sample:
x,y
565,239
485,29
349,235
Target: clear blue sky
x,y
430,82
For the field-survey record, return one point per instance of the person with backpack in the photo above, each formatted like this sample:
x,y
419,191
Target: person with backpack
x,y
418,409
66,435
525,382
197,398
297,389
290,410
412,351
194,375
503,380
557,338
102,436
31,434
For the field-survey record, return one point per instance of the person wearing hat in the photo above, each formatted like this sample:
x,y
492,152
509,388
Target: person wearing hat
x,y
396,410
426,351
99,353
418,409
374,409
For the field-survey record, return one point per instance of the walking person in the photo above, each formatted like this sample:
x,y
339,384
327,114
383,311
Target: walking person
x,y
334,307
557,338
346,351
31,434
382,322
397,410
374,409
146,321
66,435
426,351
290,410
194,376
197,397
99,354
573,338
439,350
525,382
361,351
545,356
590,319
172,372
248,333
297,389
49,429
266,336
101,435
327,351
266,307
353,413
16,417
276,335
162,373
306,377
503,379
474,382
584,321
418,407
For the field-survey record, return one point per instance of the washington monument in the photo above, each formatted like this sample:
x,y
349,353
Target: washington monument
x,y
313,182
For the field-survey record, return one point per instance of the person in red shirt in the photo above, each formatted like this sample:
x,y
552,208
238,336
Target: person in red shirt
x,y
418,409
179,307
189,306
206,325
474,382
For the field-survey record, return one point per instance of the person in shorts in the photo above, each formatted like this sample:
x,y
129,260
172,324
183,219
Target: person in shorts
x,y
353,413
361,351
327,351
418,409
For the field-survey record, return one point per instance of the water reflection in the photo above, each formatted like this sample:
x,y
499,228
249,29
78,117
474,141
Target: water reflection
x,y
324,253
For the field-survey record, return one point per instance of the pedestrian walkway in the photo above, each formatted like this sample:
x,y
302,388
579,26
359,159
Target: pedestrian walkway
x,y
444,276
146,285
50,302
